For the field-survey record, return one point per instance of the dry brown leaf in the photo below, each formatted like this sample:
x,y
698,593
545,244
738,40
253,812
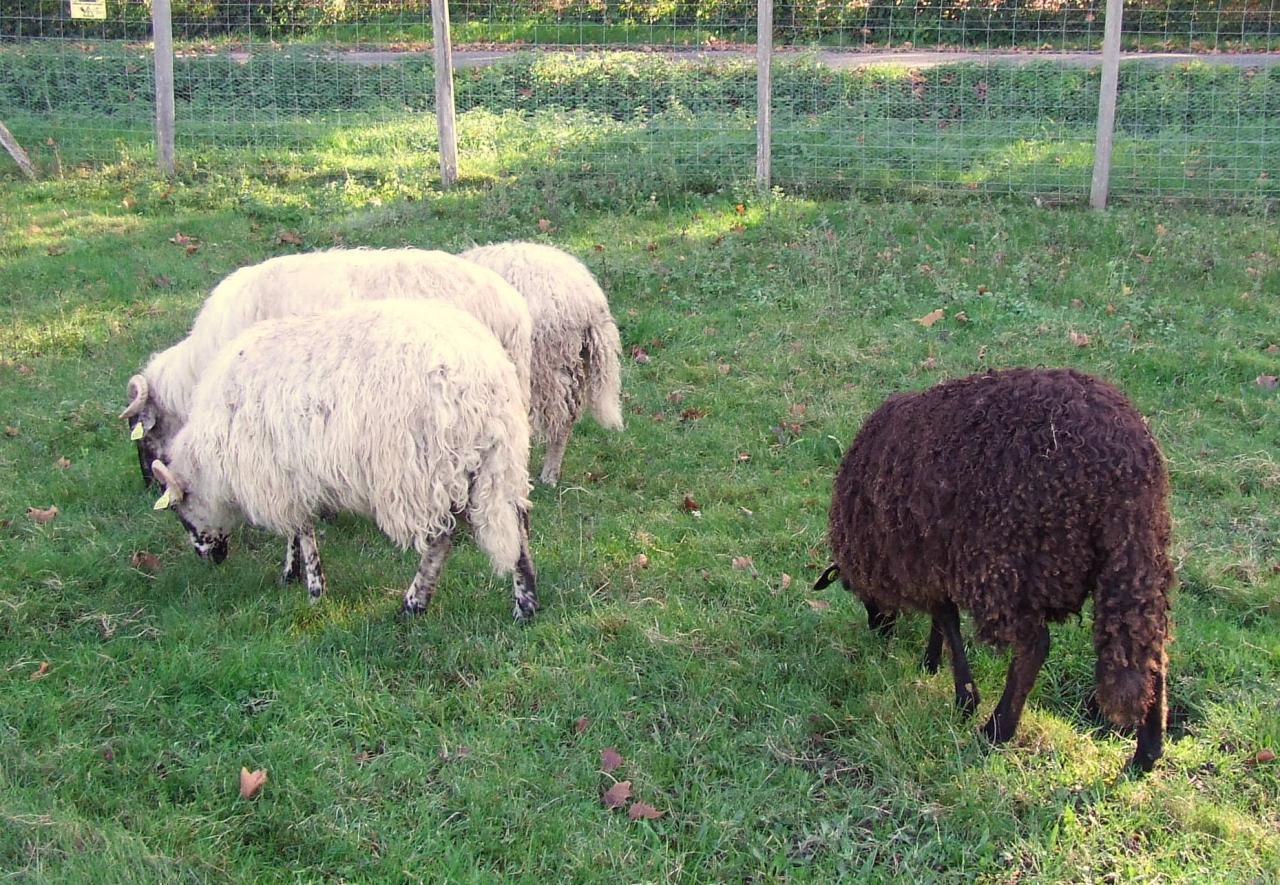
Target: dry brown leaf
x,y
10,431
644,810
929,363
181,239
39,516
675,397
639,354
818,605
1264,755
1267,382
740,209
798,409
617,795
289,236
251,782
931,317
1273,348
545,226
1161,230
786,580
743,562
962,317
62,463
641,561
690,506
693,414
609,759
581,724
1079,339
41,670
145,562
743,457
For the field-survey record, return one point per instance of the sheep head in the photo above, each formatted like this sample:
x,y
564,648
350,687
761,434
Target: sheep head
x,y
141,414
207,532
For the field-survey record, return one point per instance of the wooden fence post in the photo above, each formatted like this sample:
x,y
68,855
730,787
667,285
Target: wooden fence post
x,y
1101,186
15,150
162,37
445,121
764,93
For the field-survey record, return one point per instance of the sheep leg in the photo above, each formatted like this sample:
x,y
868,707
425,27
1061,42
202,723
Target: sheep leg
x,y
1028,658
418,596
312,571
933,648
525,580
1151,731
946,625
292,569
556,444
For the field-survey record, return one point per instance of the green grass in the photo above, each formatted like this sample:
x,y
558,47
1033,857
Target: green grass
x,y
780,741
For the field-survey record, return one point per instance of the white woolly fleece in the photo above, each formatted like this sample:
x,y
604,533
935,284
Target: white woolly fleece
x,y
296,285
405,411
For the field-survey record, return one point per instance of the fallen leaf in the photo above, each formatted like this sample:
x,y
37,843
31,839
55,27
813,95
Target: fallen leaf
x,y
644,810
609,759
40,517
62,463
128,202
786,580
11,431
689,505
675,397
25,370
251,782
743,457
544,225
651,247
181,239
641,561
289,236
1161,230
818,605
962,317
57,249
983,290
639,354
930,318
1273,348
929,363
617,795
738,228
41,670
798,409
740,209
1111,309
743,562
599,247
724,368
1264,755
581,724
1077,303
692,414
1079,339
145,562
1267,382
982,352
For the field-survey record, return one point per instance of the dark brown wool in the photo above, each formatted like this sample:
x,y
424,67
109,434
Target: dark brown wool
x,y
1013,495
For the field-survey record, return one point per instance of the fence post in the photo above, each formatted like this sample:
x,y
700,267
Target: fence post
x,y
764,93
1101,185
162,37
443,48
15,150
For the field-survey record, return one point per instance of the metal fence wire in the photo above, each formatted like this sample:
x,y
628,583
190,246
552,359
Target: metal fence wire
x,y
661,95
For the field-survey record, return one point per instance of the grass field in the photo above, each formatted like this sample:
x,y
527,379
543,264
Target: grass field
x,y
779,739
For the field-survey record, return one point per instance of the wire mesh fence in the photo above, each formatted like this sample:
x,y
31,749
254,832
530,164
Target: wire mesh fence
x,y
660,95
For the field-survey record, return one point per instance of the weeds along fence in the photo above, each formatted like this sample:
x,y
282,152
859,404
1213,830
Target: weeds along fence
x,y
654,96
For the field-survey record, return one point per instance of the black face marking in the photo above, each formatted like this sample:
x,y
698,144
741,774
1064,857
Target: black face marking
x,y
208,545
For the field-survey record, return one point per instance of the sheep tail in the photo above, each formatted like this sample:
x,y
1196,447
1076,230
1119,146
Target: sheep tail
x,y
1131,609
499,496
602,351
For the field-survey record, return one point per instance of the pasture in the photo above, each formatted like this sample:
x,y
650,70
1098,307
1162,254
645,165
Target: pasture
x,y
778,738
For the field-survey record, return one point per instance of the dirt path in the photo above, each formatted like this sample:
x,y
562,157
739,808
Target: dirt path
x,y
473,58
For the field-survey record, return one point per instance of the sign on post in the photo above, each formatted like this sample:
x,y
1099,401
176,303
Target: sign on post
x,y
94,9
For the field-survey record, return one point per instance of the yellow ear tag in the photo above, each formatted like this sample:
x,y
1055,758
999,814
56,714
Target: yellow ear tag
x,y
137,432
163,502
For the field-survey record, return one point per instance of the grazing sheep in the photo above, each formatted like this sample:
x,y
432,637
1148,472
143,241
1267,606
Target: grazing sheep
x,y
293,285
575,341
1014,495
406,411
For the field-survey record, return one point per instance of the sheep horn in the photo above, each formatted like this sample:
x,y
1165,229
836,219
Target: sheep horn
x,y
138,390
167,479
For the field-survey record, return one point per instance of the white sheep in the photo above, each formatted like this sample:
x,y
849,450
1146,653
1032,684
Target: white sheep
x,y
575,341
407,411
293,285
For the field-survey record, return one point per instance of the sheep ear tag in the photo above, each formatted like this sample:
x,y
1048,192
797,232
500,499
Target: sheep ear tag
x,y
137,432
163,502
827,578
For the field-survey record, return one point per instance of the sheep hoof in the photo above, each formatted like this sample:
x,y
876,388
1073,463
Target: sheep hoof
x,y
967,704
1141,763
993,732
410,609
523,610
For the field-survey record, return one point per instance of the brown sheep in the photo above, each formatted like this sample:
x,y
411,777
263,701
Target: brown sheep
x,y
1013,495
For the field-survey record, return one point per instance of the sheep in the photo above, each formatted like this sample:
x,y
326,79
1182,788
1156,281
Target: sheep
x,y
291,285
407,411
576,348
1014,495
